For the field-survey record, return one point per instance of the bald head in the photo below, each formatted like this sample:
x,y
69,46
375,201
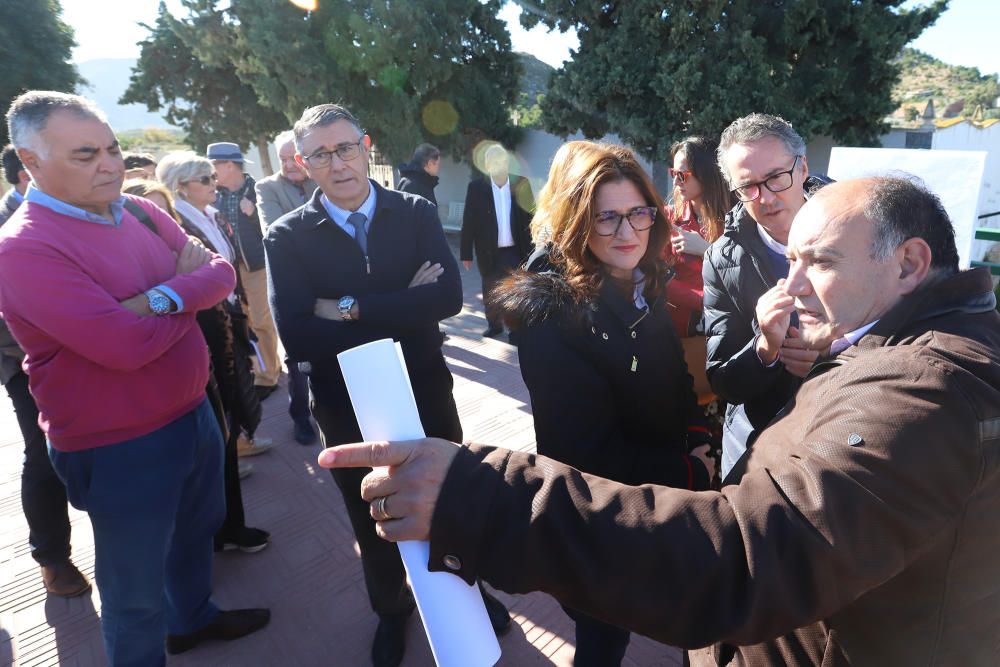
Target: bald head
x,y
858,247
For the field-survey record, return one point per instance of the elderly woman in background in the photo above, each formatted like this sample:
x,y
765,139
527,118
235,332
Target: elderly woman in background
x,y
234,399
610,393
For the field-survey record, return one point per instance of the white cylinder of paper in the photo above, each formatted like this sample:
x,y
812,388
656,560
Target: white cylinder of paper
x,y
455,619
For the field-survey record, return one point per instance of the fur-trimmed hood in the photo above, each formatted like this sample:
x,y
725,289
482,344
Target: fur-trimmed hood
x,y
527,298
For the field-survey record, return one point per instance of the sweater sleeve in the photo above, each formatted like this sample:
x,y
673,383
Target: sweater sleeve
x,y
734,370
415,307
791,544
205,286
67,305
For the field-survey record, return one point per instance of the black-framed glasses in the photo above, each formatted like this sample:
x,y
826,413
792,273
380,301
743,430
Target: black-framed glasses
x,y
679,175
205,180
640,218
345,152
775,183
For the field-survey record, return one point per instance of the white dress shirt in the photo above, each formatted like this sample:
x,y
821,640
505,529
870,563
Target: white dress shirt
x,y
501,202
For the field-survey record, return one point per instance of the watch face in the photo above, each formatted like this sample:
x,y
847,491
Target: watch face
x,y
345,303
159,304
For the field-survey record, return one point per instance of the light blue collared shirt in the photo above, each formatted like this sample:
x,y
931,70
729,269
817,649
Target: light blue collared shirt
x,y
339,215
18,196
36,196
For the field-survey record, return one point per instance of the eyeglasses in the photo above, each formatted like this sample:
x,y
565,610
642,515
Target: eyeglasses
x,y
679,175
775,183
205,180
640,218
345,152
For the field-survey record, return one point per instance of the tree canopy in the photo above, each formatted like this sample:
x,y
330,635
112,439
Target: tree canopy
x,y
431,70
37,46
653,71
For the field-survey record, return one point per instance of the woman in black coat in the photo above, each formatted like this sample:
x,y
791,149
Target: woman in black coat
x,y
226,332
610,392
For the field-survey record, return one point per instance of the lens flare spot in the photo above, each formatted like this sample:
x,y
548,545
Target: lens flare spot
x,y
307,5
439,117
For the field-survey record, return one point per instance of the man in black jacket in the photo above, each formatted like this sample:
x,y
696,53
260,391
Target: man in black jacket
x,y
496,223
360,263
419,176
237,203
764,161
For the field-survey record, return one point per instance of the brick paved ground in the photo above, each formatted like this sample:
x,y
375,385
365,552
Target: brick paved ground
x,y
310,576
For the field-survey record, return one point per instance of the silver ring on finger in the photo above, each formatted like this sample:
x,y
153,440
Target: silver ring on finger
x,y
380,510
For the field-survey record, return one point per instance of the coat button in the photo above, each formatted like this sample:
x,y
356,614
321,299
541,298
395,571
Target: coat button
x,y
604,336
453,563
593,330
633,334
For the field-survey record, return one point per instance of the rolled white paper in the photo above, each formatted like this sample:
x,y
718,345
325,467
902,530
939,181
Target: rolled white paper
x,y
453,612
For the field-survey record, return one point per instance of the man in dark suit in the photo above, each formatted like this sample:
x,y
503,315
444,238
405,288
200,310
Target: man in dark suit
x,y
355,264
498,209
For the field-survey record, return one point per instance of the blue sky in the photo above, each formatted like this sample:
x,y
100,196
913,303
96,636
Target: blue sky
x,y
966,34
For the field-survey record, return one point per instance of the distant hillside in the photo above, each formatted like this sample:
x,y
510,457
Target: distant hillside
x,y
535,80
108,79
924,76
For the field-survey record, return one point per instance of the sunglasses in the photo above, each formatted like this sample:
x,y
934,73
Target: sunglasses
x,y
679,175
205,180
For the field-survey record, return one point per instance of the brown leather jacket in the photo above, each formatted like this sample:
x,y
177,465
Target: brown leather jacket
x,y
864,532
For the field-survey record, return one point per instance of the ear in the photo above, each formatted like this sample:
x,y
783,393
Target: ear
x,y
23,177
805,167
368,142
301,161
914,257
29,159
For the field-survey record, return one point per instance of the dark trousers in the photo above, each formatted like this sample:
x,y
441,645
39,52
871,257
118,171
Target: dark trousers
x,y
298,391
597,643
507,260
385,577
235,518
154,501
43,495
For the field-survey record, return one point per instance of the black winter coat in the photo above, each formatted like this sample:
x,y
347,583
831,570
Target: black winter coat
x,y
610,392
416,181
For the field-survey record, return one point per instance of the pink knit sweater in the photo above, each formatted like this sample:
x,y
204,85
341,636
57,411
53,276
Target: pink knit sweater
x,y
99,373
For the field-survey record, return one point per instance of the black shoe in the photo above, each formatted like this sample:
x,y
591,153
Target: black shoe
x,y
247,540
493,330
263,391
390,640
499,616
305,434
227,625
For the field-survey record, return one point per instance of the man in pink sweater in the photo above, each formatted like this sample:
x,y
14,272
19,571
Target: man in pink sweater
x,y
104,309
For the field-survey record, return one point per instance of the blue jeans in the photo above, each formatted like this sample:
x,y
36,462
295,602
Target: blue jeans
x,y
155,502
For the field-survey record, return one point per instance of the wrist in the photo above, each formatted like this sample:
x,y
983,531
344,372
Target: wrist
x,y
767,354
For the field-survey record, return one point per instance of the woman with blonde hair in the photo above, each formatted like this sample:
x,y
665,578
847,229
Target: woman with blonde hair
x,y
610,393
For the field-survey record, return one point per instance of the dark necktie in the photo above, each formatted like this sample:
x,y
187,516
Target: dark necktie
x,y
358,220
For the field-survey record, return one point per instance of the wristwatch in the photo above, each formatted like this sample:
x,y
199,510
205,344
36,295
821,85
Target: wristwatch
x,y
159,302
344,307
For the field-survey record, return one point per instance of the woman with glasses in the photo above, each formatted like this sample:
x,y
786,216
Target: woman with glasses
x,y
188,183
610,393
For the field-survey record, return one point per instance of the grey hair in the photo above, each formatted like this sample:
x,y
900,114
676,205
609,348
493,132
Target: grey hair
x,y
283,139
425,153
901,207
322,115
30,111
755,127
178,167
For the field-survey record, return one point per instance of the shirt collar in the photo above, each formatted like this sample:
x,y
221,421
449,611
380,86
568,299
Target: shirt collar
x,y
18,197
36,196
850,338
769,241
340,215
501,188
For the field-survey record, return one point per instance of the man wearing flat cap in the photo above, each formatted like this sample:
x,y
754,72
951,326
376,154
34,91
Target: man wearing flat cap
x,y
237,202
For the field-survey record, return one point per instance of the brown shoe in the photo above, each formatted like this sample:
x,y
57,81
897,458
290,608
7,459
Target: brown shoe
x,y
64,580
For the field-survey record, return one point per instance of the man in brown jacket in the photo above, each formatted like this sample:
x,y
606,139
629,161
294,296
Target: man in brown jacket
x,y
864,530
